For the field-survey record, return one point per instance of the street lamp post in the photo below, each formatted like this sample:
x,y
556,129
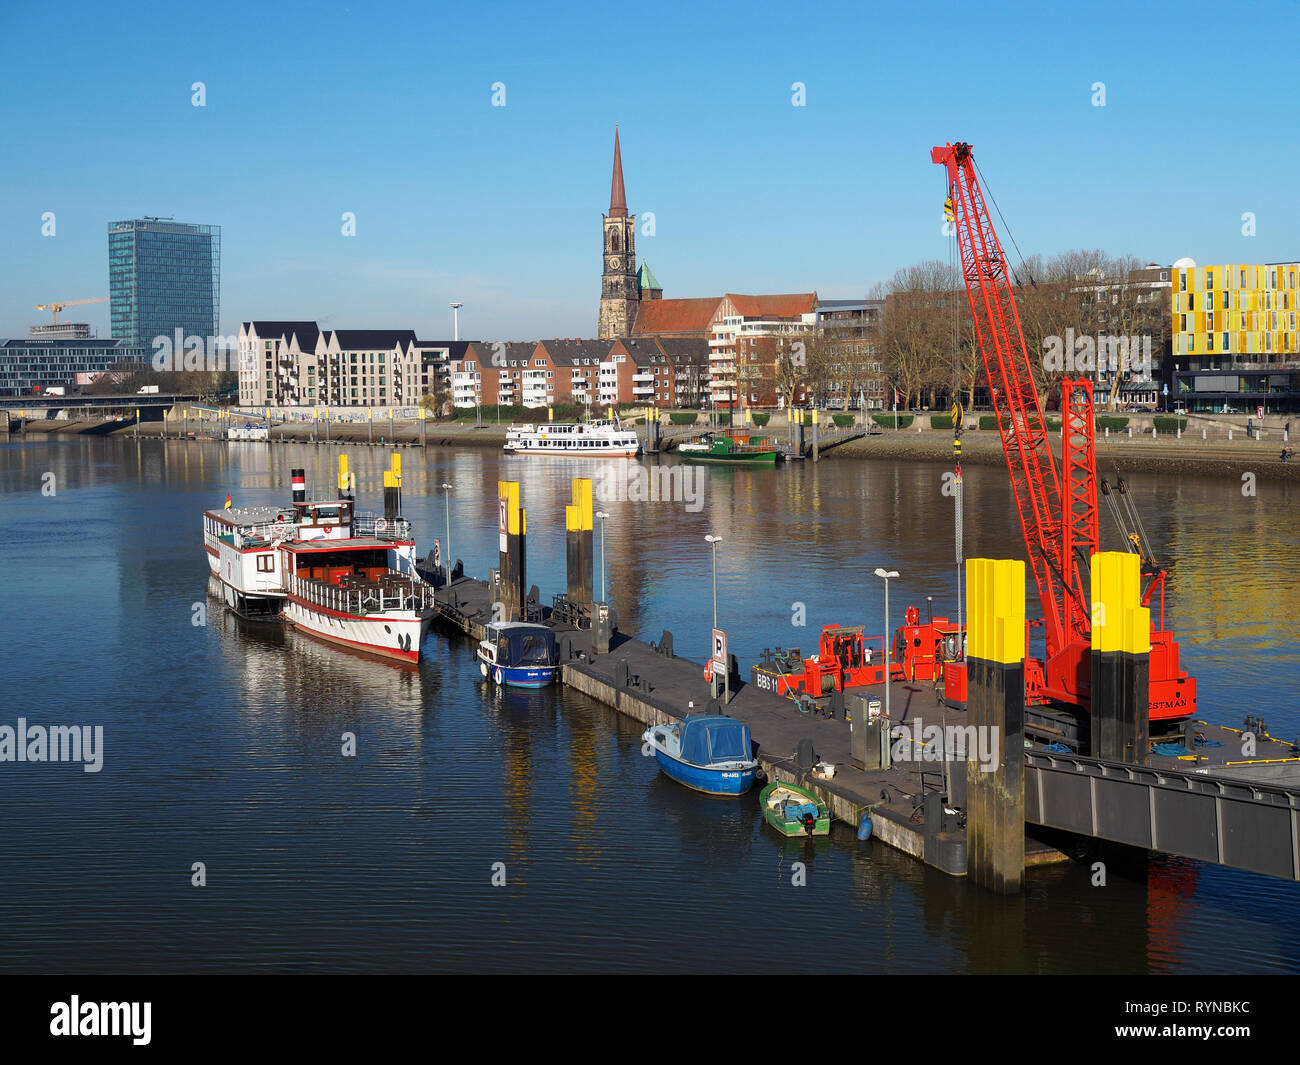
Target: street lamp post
x,y
885,575
446,495
713,542
602,515
455,314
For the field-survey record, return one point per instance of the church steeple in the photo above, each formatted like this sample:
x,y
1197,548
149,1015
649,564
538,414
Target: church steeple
x,y
617,196
620,294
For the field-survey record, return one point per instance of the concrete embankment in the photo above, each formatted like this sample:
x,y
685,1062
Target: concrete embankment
x,y
1216,456
1139,454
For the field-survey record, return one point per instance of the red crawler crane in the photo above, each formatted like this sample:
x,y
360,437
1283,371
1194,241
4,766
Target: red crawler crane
x,y
1057,506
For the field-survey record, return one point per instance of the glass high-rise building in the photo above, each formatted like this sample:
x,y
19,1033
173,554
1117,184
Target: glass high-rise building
x,y
163,276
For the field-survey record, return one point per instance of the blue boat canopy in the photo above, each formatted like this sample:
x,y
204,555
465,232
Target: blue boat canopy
x,y
707,739
521,644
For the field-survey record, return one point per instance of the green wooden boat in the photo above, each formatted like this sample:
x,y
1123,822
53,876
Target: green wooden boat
x,y
734,446
794,811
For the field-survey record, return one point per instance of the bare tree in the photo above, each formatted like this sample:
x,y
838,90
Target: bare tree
x,y
921,333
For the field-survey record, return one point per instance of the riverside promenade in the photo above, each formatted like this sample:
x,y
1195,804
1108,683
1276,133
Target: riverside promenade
x,y
1213,445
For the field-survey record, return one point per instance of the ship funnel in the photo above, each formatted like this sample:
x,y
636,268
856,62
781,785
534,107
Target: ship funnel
x,y
299,485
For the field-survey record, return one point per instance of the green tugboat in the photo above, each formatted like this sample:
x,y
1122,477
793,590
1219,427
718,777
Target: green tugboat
x,y
794,811
733,445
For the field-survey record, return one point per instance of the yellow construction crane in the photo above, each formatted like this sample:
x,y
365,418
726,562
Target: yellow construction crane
x,y
56,307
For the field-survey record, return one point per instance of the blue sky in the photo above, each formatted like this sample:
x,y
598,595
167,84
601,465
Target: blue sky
x,y
385,110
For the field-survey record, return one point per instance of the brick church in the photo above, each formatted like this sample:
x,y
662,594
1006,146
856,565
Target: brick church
x,y
742,337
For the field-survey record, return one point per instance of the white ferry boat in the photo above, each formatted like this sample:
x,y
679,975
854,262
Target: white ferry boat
x,y
597,438
343,577
248,431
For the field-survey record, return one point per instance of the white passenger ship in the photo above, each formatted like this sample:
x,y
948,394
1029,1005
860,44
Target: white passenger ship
x,y
597,438
343,577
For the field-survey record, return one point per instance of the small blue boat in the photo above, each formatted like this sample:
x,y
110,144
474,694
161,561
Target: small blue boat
x,y
707,752
517,654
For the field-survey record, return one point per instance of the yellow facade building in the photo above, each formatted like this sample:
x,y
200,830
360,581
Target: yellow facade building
x,y
1231,315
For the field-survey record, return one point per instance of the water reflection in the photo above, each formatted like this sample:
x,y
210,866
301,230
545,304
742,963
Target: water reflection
x,y
224,741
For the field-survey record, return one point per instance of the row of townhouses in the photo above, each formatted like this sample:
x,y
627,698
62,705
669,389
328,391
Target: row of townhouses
x,y
289,364
663,372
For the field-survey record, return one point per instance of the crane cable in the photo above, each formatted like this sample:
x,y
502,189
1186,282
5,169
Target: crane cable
x,y
1006,228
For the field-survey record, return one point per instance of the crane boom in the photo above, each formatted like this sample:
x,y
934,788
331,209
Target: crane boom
x,y
56,307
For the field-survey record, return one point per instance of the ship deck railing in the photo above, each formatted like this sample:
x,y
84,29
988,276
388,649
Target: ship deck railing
x,y
362,597
381,527
261,534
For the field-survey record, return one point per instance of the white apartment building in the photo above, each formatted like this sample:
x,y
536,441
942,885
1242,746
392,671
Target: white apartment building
x,y
295,364
741,319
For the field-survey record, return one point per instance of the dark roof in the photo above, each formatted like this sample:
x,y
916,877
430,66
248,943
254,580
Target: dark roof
x,y
307,335
509,353
370,339
455,348
572,352
685,351
307,331
643,350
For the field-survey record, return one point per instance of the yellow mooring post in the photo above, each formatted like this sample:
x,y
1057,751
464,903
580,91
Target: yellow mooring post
x,y
512,533
345,477
393,488
1120,654
578,550
995,755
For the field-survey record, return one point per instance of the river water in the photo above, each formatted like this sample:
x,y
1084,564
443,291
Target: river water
x,y
223,743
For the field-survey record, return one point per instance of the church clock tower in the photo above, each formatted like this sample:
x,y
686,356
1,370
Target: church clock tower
x,y
619,292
